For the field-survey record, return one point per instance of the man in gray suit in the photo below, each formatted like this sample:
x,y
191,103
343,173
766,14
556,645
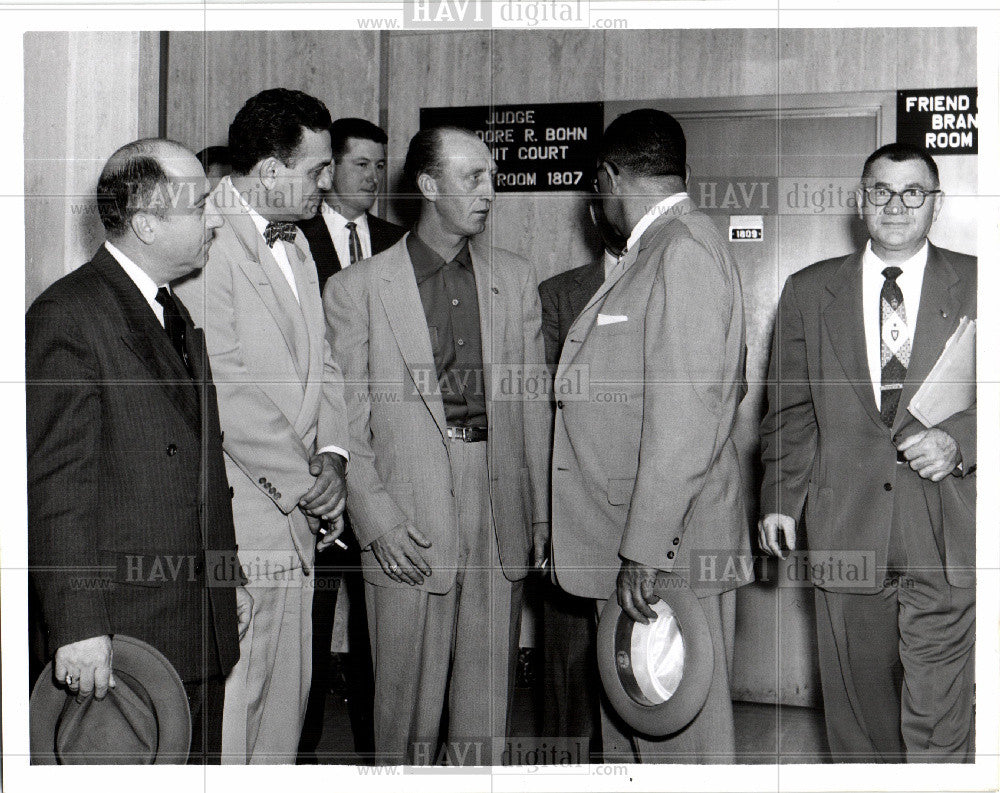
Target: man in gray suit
x,y
645,476
855,338
448,482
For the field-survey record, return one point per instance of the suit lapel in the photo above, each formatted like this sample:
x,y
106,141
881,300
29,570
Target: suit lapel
x,y
401,300
491,314
148,341
937,318
585,286
844,319
262,270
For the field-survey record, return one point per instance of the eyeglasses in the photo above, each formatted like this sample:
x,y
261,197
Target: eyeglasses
x,y
912,197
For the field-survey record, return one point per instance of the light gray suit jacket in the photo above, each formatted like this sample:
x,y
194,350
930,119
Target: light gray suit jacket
x,y
280,391
399,466
644,464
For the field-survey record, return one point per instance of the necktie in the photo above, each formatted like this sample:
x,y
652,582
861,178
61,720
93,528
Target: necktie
x,y
896,344
174,324
354,242
279,230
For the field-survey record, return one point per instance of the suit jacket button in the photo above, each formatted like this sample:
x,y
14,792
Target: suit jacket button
x,y
277,495
232,493
887,486
677,540
559,404
670,554
171,450
261,481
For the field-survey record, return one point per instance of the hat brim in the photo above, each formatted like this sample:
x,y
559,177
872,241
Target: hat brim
x,y
665,718
141,662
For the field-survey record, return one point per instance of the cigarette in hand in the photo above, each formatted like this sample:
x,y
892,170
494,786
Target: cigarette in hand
x,y
338,542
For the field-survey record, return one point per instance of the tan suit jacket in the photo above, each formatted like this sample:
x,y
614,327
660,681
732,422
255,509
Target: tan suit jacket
x,y
399,466
644,466
280,391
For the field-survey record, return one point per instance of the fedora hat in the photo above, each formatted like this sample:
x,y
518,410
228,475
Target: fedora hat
x,y
657,676
143,720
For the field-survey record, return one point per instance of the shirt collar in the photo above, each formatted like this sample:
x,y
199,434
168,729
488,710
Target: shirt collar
x,y
259,221
338,221
647,220
427,262
913,266
140,277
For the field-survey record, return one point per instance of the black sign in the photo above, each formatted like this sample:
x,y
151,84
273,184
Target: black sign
x,y
940,120
536,147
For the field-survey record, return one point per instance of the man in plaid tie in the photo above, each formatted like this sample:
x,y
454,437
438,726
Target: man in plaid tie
x,y
883,496
281,405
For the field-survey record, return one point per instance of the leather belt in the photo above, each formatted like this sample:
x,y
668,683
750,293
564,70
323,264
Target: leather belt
x,y
468,434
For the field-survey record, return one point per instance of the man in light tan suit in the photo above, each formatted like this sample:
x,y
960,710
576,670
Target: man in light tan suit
x,y
281,405
448,482
645,473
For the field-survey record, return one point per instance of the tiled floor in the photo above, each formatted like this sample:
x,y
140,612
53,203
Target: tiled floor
x,y
765,734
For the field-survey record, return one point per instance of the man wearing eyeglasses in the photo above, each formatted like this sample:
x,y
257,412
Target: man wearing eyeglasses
x,y
855,337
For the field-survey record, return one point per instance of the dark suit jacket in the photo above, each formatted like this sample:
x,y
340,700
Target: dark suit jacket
x,y
383,233
563,297
126,482
824,444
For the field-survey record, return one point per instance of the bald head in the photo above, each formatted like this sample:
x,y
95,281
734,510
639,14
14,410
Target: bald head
x,y
134,174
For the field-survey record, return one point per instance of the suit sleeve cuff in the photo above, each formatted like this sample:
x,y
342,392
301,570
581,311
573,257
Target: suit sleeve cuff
x,y
336,450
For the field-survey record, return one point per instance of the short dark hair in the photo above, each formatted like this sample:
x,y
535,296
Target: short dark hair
x,y
424,153
270,125
214,155
901,152
645,142
343,129
128,181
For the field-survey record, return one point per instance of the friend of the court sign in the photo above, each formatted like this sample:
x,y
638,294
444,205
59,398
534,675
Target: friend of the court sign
x,y
940,120
538,147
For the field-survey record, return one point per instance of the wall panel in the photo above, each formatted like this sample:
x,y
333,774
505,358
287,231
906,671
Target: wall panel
x,y
211,75
81,103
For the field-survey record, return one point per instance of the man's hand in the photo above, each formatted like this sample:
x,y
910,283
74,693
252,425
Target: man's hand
x,y
244,610
335,529
540,543
635,590
398,551
771,529
932,453
327,496
85,667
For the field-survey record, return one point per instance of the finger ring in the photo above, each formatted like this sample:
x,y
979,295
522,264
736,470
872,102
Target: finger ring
x,y
69,680
394,568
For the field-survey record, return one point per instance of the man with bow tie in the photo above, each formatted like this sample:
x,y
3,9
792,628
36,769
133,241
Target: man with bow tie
x,y
281,403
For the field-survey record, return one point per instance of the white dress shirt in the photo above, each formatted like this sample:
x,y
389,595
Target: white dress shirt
x,y
278,251
336,224
650,217
146,285
910,283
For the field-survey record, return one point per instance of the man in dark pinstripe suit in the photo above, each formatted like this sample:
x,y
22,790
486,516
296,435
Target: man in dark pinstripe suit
x,y
130,527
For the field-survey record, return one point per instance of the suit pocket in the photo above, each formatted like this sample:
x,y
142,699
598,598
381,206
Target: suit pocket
x,y
620,491
619,328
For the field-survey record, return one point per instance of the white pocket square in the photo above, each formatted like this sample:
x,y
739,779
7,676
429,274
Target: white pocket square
x,y
610,319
